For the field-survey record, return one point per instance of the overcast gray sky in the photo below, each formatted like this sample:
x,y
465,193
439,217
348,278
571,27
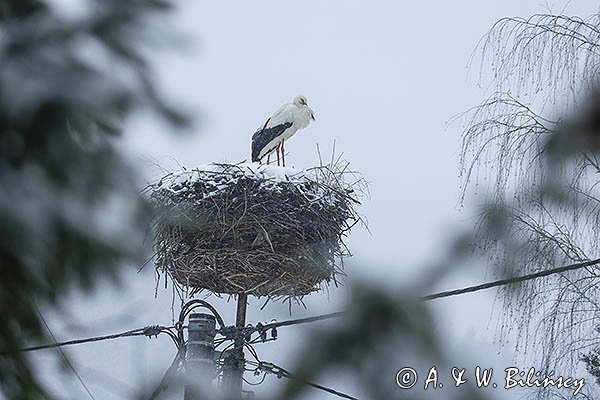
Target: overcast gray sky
x,y
383,78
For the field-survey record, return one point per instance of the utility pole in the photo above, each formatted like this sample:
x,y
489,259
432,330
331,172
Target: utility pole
x,y
199,358
234,359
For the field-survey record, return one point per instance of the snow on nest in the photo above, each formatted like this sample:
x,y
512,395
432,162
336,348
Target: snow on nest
x,y
220,176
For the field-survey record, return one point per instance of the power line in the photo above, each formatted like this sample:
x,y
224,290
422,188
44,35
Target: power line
x,y
508,281
303,320
151,330
154,330
273,325
281,372
64,356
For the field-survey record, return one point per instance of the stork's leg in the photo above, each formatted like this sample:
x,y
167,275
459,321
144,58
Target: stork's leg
x,y
277,149
282,153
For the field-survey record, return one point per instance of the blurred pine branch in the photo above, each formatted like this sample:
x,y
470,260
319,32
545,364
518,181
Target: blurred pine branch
x,y
69,209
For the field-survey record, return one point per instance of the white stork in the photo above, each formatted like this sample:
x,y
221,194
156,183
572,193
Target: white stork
x,y
279,127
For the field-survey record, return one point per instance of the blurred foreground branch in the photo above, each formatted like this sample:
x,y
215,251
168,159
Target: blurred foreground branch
x,y
69,210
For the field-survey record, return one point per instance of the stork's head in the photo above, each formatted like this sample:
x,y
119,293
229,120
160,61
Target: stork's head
x,y
300,101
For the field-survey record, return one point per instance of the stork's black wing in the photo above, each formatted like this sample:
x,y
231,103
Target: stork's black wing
x,y
264,136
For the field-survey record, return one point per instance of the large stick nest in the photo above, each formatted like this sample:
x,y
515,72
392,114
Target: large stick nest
x,y
255,229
